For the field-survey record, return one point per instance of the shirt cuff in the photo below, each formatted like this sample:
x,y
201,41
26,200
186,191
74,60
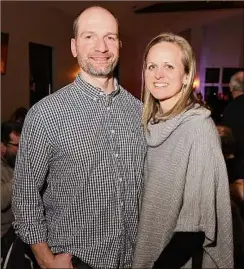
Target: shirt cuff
x,y
32,233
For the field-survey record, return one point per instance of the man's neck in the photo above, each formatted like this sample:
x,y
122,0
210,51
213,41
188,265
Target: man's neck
x,y
106,84
236,94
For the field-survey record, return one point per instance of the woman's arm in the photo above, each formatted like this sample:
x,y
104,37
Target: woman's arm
x,y
182,247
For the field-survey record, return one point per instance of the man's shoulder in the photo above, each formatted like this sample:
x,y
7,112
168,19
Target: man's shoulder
x,y
131,98
53,101
235,108
236,103
56,96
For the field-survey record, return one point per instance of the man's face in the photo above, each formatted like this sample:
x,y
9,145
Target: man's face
x,y
11,149
97,43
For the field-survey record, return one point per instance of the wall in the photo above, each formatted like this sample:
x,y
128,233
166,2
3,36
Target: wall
x,y
222,45
34,23
217,38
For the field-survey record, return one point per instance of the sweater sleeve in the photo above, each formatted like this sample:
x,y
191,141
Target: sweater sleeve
x,y
206,178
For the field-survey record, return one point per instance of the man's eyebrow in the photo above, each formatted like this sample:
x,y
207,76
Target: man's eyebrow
x,y
86,32
111,33
91,32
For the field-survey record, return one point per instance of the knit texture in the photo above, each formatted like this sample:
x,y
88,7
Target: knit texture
x,y
186,189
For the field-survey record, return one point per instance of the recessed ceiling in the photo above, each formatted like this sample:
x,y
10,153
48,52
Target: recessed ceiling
x,y
186,6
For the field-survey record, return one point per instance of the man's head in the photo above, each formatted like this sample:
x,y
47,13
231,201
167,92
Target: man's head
x,y
237,84
10,134
96,42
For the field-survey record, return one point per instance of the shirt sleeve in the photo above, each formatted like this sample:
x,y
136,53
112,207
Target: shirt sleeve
x,y
31,168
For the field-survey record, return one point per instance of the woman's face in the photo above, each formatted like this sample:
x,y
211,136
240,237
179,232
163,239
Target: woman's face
x,y
164,73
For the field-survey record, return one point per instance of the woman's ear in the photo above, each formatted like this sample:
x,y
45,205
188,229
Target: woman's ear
x,y
185,80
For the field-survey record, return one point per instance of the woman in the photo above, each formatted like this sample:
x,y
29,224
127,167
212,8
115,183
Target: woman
x,y
185,217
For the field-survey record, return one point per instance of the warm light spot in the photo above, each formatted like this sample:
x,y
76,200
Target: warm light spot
x,y
196,83
2,66
74,72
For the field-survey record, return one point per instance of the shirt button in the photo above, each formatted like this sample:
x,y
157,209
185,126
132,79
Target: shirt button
x,y
95,99
112,131
116,155
120,179
108,108
122,204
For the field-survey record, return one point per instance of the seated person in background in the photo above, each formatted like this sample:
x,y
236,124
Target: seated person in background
x,y
235,168
14,253
10,133
19,114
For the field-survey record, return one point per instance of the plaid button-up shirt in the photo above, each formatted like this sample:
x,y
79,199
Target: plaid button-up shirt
x,y
89,148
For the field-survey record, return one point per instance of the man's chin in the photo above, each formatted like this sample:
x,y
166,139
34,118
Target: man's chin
x,y
101,73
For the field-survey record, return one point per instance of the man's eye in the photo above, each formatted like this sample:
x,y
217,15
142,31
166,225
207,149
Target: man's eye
x,y
111,38
168,66
88,37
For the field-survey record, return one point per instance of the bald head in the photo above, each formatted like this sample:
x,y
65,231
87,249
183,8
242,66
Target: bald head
x,y
237,82
96,44
94,15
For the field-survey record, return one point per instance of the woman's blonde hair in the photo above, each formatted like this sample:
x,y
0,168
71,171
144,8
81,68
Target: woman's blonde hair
x,y
152,110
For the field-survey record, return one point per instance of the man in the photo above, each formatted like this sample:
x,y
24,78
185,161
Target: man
x,y
10,133
234,113
86,142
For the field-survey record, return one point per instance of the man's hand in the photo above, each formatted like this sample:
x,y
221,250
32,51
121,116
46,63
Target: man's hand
x,y
47,260
61,261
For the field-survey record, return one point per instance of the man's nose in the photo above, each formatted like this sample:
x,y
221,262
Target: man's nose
x,y
101,45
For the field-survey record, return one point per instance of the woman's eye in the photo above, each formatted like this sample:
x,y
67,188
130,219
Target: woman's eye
x,y
151,67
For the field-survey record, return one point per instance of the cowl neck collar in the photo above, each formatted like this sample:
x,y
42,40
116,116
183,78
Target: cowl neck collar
x,y
159,132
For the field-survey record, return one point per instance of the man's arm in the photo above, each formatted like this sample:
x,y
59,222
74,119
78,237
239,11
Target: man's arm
x,y
31,168
182,247
43,254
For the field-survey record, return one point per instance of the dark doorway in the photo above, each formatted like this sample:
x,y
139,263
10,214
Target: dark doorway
x,y
40,58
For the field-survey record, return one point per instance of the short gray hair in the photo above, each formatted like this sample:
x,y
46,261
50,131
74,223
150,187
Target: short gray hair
x,y
237,81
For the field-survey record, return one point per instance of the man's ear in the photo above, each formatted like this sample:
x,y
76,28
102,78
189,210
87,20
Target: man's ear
x,y
73,47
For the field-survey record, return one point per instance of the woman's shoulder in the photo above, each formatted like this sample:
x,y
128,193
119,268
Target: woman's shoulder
x,y
202,129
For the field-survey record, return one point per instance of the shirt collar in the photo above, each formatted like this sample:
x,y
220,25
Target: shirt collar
x,y
94,92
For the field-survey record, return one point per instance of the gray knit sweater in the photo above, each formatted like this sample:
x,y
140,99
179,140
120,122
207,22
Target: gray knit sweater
x,y
186,189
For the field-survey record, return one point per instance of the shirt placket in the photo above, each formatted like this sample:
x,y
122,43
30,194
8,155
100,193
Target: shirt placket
x,y
119,173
